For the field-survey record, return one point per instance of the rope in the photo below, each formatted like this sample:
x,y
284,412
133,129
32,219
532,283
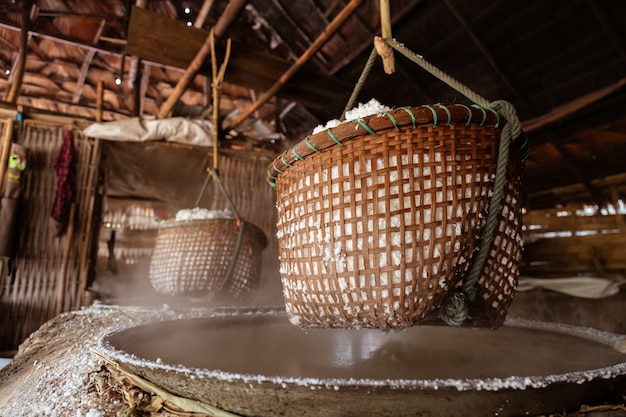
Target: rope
x,y
218,78
454,310
225,192
509,133
359,84
233,261
418,59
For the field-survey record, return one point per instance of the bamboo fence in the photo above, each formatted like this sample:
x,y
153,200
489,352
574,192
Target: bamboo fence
x,y
50,274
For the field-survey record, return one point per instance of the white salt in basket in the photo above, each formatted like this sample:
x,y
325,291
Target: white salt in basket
x,y
379,219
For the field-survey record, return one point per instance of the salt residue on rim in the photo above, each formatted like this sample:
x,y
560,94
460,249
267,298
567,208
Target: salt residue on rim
x,y
486,384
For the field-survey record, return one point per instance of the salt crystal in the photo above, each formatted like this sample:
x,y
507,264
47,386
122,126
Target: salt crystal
x,y
360,111
198,213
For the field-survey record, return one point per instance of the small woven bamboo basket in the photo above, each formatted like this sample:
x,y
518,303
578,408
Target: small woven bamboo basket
x,y
379,219
208,258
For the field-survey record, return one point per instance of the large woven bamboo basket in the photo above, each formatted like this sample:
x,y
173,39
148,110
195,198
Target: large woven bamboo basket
x,y
379,219
208,258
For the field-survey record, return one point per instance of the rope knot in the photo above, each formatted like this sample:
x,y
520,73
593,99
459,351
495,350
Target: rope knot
x,y
454,309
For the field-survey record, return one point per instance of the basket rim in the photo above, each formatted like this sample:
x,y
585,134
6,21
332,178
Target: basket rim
x,y
198,222
436,114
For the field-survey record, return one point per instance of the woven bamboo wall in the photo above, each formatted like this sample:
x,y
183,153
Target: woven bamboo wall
x,y
51,273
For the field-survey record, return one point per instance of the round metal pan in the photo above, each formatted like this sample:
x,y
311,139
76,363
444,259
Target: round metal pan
x,y
255,363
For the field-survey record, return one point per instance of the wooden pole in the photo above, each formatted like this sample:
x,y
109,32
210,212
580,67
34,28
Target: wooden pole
x,y
203,13
312,50
18,73
232,11
7,139
385,29
99,100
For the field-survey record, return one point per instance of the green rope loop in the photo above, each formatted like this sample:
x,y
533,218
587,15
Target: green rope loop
x,y
476,106
269,180
497,116
393,120
313,148
447,112
410,114
469,113
334,138
293,151
282,158
366,127
276,169
434,112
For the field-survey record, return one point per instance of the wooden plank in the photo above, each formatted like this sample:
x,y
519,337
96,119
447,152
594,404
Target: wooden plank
x,y
169,42
607,249
537,224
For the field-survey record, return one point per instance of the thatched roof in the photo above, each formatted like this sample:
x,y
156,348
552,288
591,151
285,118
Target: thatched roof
x,y
562,64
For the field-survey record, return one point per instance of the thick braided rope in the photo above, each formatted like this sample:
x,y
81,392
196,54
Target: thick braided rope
x,y
510,132
419,60
454,309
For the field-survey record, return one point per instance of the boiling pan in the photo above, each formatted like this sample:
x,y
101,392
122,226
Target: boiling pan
x,y
255,363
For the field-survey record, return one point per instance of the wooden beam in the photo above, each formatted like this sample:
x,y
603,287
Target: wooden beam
x,y
135,74
143,86
203,13
7,138
231,13
18,73
66,40
573,106
315,46
82,76
171,44
99,100
595,195
608,27
488,56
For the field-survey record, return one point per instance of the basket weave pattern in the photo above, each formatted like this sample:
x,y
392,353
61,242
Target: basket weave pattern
x,y
377,226
193,258
498,279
